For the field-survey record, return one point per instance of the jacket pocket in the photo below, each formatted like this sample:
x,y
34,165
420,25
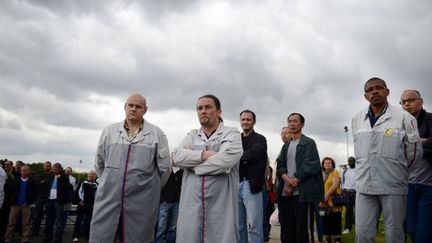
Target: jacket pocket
x,y
116,155
362,144
163,153
142,158
391,145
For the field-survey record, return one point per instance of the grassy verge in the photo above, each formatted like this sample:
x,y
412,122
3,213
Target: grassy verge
x,y
380,238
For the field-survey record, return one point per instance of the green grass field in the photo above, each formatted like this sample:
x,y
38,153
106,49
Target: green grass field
x,y
380,238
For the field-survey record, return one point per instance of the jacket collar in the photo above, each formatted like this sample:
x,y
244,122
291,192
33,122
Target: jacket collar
x,y
302,141
421,116
250,134
140,136
382,117
212,137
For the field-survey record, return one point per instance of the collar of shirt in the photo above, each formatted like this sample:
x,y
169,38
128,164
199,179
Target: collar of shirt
x,y
371,116
421,116
249,135
203,135
130,133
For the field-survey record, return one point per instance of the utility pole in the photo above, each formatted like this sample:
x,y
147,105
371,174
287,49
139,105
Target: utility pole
x,y
346,135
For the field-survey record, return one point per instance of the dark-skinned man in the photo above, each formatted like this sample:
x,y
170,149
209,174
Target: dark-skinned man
x,y
386,143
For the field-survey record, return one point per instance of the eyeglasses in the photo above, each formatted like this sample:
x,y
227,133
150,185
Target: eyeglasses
x,y
409,101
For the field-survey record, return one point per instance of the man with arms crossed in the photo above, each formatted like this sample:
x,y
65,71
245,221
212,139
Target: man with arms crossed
x,y
386,143
210,157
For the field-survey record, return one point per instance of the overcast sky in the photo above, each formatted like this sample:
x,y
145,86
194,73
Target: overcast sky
x,y
66,67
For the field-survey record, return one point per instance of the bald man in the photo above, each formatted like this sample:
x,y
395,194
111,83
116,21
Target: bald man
x,y
86,193
419,201
285,134
132,162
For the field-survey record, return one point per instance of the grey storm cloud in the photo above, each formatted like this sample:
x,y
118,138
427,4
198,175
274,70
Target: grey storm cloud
x,y
63,63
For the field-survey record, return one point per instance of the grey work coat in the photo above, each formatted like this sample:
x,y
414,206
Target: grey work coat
x,y
384,152
210,189
131,175
3,178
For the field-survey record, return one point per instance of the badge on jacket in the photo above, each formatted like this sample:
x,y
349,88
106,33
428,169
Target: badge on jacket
x,y
388,132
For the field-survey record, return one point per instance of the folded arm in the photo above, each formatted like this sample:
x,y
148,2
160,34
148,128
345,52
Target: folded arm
x,y
225,159
184,156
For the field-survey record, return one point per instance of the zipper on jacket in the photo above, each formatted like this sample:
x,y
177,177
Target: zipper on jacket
x,y
203,208
122,197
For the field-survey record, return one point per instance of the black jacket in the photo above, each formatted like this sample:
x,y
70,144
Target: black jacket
x,y
8,190
171,190
308,170
253,161
43,181
64,189
424,122
89,190
32,191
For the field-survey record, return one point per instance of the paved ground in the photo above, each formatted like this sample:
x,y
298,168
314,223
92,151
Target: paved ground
x,y
274,235
67,236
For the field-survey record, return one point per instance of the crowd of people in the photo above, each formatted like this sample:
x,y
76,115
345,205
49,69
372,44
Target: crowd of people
x,y
27,201
217,184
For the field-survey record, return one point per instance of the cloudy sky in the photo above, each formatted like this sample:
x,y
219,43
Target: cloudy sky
x,y
66,67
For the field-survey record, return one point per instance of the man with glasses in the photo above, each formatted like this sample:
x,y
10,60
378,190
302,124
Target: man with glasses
x,y
285,134
419,203
386,143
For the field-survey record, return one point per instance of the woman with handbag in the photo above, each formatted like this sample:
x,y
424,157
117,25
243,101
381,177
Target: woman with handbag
x,y
332,218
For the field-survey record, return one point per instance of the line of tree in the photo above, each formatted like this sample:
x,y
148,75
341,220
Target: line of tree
x,y
37,168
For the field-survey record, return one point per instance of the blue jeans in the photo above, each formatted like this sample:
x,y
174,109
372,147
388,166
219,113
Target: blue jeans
x,y
419,213
250,215
167,223
265,197
56,215
319,222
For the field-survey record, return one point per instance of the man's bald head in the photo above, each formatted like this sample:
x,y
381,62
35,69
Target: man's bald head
x,y
135,108
137,97
92,175
412,102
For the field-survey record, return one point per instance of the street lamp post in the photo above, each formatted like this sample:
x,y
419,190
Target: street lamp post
x,y
346,135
